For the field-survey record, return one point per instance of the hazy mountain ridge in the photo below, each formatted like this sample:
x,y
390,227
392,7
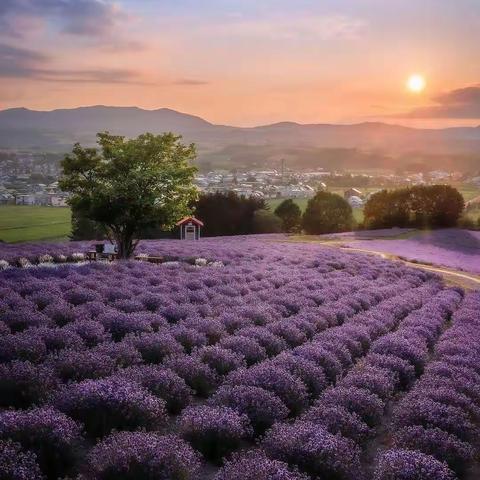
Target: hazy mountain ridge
x,y
57,130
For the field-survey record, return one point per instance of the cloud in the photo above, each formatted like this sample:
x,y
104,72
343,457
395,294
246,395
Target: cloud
x,y
190,81
323,27
461,103
77,17
29,64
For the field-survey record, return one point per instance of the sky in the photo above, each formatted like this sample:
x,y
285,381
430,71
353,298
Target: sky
x,y
247,62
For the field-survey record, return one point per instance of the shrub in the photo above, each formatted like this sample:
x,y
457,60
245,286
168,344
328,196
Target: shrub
x,y
162,383
438,443
15,464
23,384
430,414
366,405
112,403
401,368
311,375
72,365
120,324
90,331
255,465
196,374
124,354
189,338
314,450
51,435
220,359
214,431
149,456
262,407
289,389
251,350
272,344
322,357
22,346
154,347
410,465
338,419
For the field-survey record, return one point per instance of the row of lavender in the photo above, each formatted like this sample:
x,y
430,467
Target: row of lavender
x,y
327,441
59,328
435,427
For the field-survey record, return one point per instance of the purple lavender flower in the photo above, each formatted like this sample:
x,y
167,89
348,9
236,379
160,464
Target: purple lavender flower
x,y
111,403
214,431
135,455
255,465
411,465
48,433
162,383
262,407
314,450
16,464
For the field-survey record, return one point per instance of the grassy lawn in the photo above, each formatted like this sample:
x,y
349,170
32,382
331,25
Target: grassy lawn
x,y
22,223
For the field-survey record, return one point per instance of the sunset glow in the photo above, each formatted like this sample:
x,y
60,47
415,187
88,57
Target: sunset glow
x,y
244,62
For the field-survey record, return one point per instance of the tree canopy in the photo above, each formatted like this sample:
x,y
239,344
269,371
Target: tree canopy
x,y
228,213
290,214
327,212
419,206
127,185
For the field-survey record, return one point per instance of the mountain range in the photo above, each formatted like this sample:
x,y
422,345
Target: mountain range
x,y
363,145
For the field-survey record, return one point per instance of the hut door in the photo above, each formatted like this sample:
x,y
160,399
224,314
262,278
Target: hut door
x,y
190,232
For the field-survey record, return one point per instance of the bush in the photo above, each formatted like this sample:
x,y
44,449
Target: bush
x,y
75,366
23,384
314,450
327,213
51,435
112,403
255,465
214,431
410,465
196,374
220,359
251,350
438,443
15,464
338,419
366,405
162,383
263,408
146,456
285,386
154,347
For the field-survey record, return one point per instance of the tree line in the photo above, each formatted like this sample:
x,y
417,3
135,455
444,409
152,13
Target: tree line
x,y
138,188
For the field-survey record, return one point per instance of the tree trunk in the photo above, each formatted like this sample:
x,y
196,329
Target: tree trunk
x,y
125,245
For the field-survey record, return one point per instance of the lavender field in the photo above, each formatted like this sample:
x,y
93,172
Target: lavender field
x,y
279,361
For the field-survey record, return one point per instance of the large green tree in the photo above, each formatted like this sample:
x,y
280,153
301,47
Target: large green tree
x,y
127,185
290,214
327,213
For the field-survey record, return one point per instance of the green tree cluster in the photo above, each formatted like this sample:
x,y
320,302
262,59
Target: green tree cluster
x,y
230,214
290,214
420,206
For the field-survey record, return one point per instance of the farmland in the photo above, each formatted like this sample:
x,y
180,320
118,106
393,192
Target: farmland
x,y
20,223
281,360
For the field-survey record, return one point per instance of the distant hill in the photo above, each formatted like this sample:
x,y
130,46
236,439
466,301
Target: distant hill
x,y
364,145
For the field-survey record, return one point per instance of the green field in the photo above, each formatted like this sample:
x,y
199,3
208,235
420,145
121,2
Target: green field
x,y
19,223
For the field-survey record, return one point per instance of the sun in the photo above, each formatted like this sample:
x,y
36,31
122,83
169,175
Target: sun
x,y
416,83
